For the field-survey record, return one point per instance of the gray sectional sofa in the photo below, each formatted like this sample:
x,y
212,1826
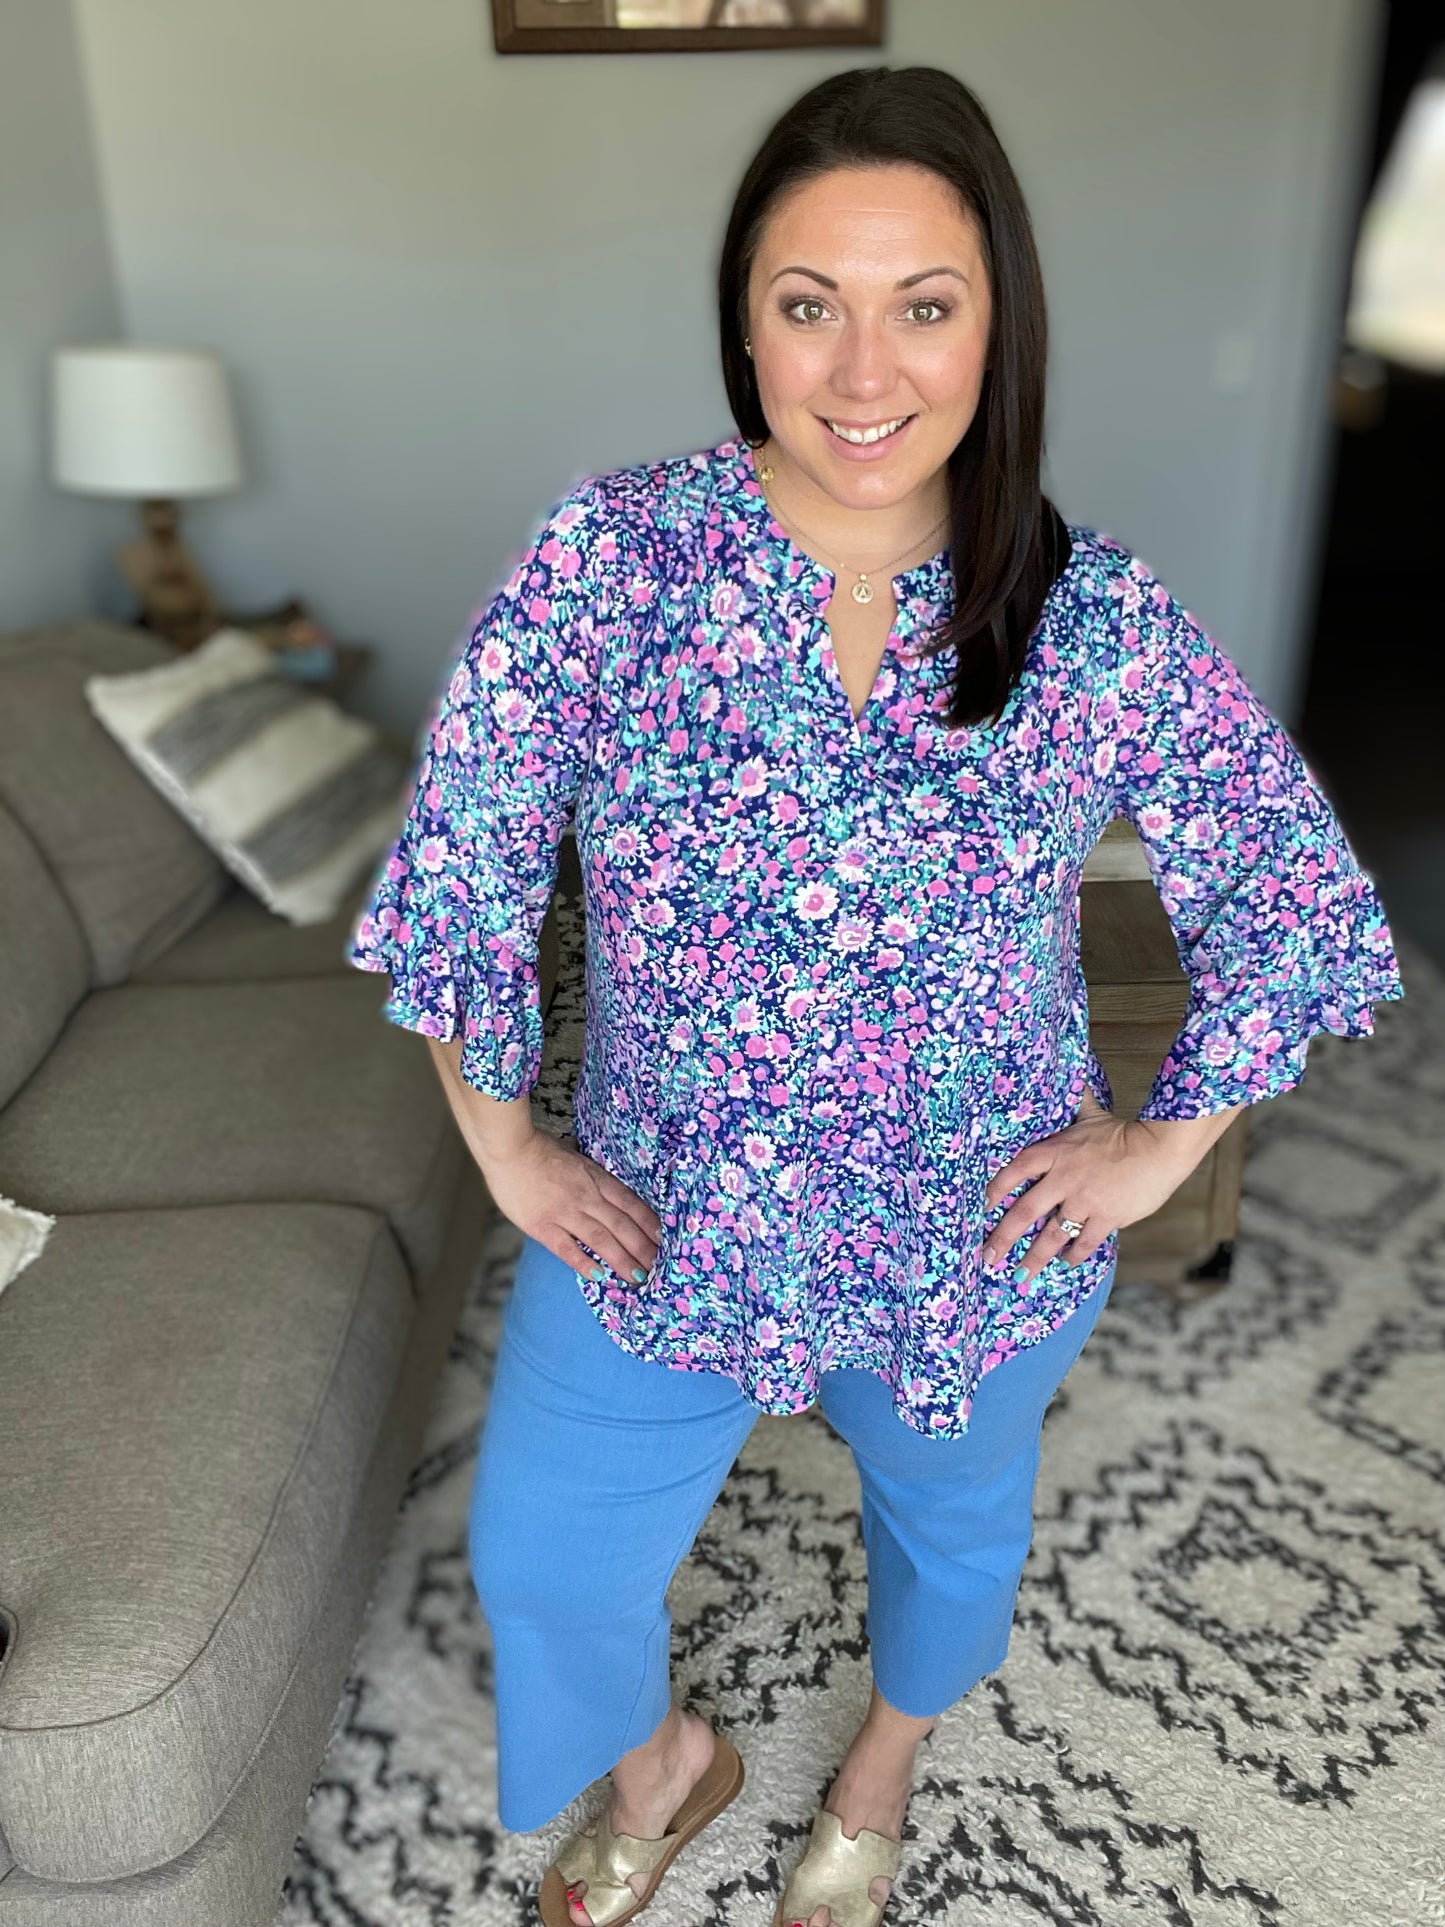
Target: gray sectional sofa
x,y
214,1378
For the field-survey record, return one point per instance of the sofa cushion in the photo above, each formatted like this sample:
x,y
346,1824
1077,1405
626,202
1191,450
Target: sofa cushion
x,y
44,962
135,873
187,1406
195,1094
242,941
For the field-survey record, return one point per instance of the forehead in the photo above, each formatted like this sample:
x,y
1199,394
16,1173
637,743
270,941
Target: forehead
x,y
867,213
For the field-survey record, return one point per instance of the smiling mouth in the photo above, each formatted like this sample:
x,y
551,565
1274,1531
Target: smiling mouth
x,y
861,437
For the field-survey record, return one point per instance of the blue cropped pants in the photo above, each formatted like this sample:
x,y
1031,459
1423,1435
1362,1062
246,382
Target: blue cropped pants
x,y
596,1469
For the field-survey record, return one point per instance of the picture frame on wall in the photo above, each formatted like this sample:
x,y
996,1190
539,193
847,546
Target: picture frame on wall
x,y
682,26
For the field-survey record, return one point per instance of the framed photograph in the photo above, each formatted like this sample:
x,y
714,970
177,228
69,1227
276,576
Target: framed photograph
x,y
681,26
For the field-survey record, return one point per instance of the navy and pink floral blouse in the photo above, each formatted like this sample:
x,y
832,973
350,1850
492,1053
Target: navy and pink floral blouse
x,y
833,975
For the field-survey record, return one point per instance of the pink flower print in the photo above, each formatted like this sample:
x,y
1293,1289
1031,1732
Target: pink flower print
x,y
512,709
1156,821
851,863
1201,832
797,1004
751,778
815,900
769,1333
493,659
899,929
747,1014
928,805
432,853
659,914
724,600
852,933
759,1150
785,809
889,959
539,611
607,548
710,703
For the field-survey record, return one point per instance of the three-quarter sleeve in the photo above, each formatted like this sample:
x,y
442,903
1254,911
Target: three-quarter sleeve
x,y
1280,930
458,903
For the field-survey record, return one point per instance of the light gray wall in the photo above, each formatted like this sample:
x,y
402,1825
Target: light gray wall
x,y
55,285
449,283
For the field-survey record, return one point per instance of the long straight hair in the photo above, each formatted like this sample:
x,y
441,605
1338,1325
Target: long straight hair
x,y
1008,544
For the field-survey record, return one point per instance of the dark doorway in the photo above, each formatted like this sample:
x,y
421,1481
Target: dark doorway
x,y
1373,720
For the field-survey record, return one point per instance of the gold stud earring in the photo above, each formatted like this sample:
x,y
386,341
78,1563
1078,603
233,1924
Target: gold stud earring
x,y
747,345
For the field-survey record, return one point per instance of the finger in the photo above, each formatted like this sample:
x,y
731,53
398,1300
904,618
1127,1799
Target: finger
x,y
1032,1162
1019,1220
609,1233
627,1200
1087,1242
1050,1241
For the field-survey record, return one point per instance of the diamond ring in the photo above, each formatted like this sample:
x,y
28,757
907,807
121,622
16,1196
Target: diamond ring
x,y
1071,1227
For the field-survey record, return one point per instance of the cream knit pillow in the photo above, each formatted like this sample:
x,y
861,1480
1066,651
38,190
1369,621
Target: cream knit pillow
x,y
22,1238
294,795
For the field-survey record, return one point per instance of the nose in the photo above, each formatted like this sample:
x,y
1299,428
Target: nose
x,y
864,367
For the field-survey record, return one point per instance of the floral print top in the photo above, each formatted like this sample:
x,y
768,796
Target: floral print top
x,y
832,967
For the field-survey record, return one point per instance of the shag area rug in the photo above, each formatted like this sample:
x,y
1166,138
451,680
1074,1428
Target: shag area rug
x,y
1222,1705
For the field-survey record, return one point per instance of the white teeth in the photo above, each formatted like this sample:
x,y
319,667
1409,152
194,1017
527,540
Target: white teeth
x,y
863,435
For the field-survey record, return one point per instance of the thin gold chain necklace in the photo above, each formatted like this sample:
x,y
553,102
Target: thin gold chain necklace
x,y
862,590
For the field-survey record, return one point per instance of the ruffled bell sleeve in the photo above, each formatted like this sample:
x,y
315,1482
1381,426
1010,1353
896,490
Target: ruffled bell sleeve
x,y
459,901
1280,930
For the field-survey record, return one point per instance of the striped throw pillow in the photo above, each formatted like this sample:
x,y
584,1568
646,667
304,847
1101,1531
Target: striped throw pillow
x,y
293,794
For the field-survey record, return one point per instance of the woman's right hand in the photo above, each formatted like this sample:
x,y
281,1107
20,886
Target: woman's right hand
x,y
554,1192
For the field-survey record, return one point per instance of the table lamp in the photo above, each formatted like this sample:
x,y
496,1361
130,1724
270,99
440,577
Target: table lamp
x,y
155,424
1397,293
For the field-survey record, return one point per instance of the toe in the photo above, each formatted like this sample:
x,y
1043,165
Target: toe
x,y
575,1910
879,1889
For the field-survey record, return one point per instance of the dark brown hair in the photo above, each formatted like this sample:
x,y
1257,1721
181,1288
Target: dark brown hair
x,y
1008,543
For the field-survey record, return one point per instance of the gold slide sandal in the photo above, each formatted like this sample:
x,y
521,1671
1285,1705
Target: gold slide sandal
x,y
604,1859
835,1872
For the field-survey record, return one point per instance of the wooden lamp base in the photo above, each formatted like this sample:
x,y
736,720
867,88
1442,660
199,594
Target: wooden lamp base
x,y
176,600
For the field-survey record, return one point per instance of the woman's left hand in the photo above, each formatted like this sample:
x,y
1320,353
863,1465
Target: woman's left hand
x,y
1102,1171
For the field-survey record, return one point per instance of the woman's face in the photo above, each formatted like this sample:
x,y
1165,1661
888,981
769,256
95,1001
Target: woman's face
x,y
867,302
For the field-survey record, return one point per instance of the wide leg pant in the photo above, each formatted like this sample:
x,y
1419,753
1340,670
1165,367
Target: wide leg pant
x,y
596,1469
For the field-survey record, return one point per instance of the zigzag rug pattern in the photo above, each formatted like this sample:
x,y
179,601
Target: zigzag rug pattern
x,y
1224,1701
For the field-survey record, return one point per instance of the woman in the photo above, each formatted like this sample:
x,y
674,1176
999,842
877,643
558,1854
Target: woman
x,y
837,709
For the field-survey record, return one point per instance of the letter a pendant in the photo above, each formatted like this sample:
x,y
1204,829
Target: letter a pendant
x,y
862,590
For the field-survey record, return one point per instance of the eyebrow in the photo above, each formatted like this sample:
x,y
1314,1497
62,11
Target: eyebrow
x,y
908,281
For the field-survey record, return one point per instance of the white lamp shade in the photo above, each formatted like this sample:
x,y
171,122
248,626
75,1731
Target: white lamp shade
x,y
142,422
1397,298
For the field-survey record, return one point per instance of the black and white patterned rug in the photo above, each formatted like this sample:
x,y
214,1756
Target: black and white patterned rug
x,y
1224,1703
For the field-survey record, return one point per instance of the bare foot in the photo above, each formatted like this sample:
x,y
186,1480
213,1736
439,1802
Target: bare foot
x,y
649,1784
